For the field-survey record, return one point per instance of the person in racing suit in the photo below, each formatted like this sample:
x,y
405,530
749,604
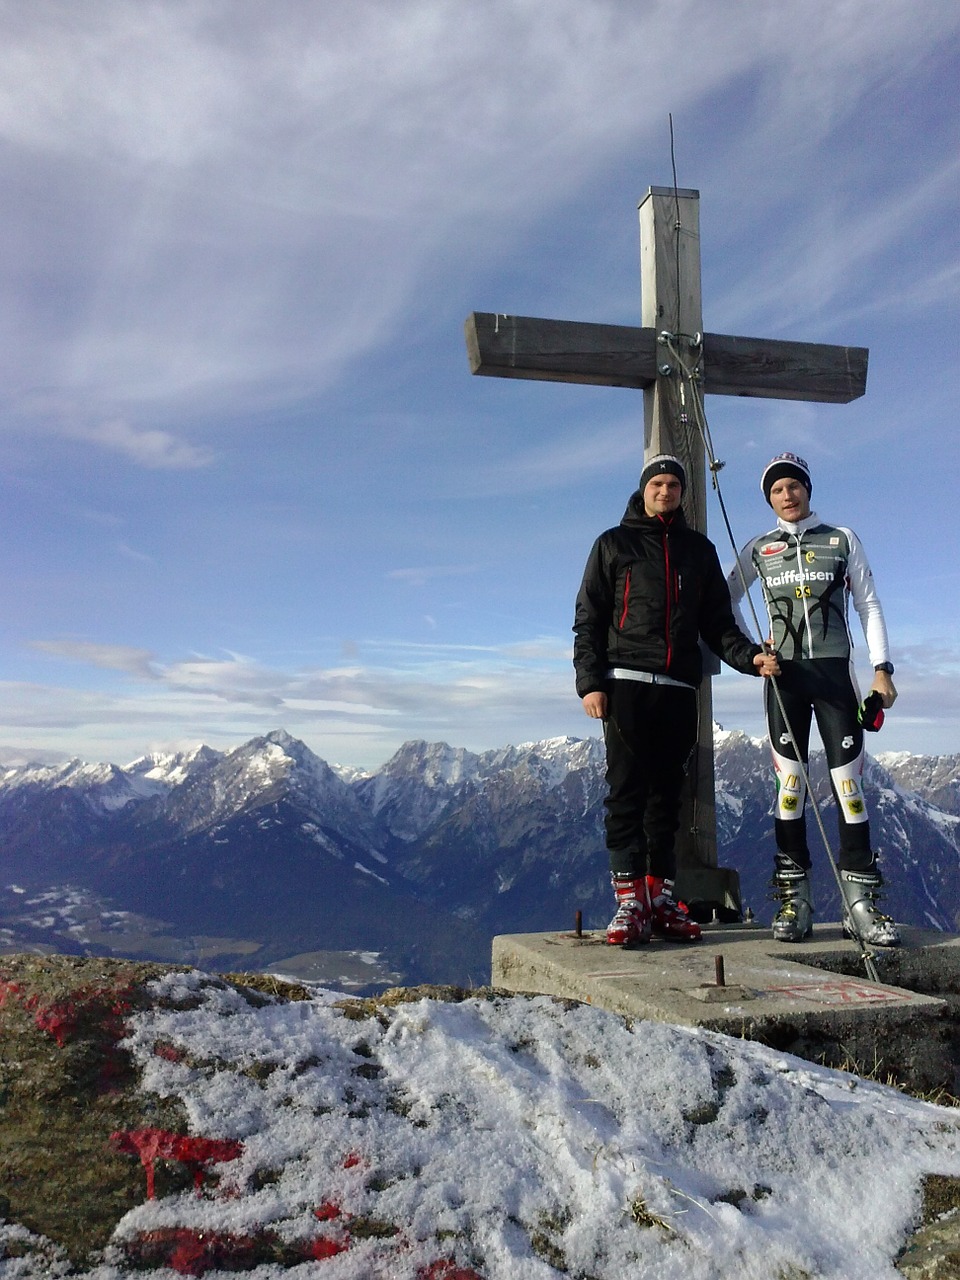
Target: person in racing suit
x,y
651,588
809,572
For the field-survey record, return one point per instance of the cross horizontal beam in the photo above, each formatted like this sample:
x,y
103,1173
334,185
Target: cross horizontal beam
x,y
609,355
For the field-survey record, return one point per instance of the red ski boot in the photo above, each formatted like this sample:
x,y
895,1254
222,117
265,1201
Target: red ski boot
x,y
631,925
670,919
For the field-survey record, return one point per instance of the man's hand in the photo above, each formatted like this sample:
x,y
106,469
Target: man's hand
x,y
883,684
595,705
767,664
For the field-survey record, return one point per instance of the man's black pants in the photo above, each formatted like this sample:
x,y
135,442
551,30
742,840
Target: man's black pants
x,y
649,733
821,688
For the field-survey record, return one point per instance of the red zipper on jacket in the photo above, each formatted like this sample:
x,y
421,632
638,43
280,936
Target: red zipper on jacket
x,y
671,591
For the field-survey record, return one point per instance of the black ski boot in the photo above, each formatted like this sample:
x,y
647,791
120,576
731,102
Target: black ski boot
x,y
861,919
791,885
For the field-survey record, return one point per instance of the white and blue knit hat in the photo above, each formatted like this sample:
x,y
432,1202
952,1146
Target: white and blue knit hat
x,y
782,467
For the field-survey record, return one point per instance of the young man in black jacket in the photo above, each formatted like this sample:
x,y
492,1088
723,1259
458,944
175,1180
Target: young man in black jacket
x,y
651,589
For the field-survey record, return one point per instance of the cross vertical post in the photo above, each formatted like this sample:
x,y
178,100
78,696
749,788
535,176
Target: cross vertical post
x,y
670,296
670,302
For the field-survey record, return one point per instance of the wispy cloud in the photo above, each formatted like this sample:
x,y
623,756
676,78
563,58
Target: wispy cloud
x,y
422,577
218,179
433,686
131,553
151,448
576,454
823,279
358,713
108,657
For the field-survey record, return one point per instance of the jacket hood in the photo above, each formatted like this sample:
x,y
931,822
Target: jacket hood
x,y
636,516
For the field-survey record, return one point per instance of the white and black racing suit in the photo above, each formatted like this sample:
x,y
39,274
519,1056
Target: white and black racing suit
x,y
809,573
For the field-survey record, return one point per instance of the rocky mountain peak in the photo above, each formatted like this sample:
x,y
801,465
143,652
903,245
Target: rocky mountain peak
x,y
173,767
435,764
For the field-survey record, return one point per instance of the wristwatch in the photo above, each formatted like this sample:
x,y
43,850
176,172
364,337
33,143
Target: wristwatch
x,y
884,666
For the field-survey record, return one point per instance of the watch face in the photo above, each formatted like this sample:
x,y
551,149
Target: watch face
x,y
885,666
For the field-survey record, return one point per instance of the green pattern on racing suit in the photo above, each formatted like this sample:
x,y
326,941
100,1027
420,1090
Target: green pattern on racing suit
x,y
809,572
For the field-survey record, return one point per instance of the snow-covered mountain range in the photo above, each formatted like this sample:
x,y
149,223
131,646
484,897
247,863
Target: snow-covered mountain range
x,y
266,855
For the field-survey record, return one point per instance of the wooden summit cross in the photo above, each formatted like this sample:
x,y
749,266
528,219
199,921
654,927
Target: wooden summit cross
x,y
604,355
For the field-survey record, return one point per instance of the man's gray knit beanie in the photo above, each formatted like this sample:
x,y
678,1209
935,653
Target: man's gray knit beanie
x,y
663,464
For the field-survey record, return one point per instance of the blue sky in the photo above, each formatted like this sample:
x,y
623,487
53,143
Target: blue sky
x,y
247,480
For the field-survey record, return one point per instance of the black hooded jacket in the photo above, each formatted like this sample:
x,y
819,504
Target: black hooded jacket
x,y
652,587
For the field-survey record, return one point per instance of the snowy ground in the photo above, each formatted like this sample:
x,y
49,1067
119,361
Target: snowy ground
x,y
497,1137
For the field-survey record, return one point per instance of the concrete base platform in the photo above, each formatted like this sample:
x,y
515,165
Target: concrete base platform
x,y
811,998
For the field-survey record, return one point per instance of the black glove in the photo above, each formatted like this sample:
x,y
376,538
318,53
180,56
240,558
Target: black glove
x,y
870,712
